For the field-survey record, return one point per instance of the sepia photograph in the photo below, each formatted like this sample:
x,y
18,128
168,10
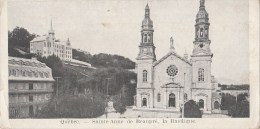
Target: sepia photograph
x,y
64,64
147,61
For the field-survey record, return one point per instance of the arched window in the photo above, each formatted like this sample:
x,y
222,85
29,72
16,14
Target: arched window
x,y
185,97
41,74
206,32
158,97
44,44
201,32
145,37
24,73
201,75
201,103
35,74
197,33
216,105
149,38
172,100
144,76
144,102
46,74
29,73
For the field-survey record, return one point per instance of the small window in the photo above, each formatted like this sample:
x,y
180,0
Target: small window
x,y
145,37
24,73
41,74
144,76
201,75
201,32
185,97
30,98
158,97
30,86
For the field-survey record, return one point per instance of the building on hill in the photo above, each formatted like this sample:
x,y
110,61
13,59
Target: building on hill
x,y
30,87
166,84
48,45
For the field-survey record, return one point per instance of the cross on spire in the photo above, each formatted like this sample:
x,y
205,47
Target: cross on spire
x,y
171,44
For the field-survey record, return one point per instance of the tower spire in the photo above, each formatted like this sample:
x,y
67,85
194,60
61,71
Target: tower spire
x,y
147,11
202,42
51,31
51,25
202,2
147,48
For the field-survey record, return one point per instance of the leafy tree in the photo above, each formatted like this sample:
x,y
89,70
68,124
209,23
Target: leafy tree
x,y
227,101
242,97
20,37
241,109
66,106
55,63
85,57
107,60
192,110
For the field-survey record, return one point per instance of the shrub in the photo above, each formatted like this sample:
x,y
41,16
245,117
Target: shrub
x,y
192,110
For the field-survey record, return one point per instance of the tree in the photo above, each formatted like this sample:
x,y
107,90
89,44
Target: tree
x,y
227,101
241,109
55,63
192,110
78,55
20,38
116,61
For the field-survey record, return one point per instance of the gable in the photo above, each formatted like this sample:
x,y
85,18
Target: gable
x,y
171,53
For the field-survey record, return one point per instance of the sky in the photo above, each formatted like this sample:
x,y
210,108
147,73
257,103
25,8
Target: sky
x,y
114,26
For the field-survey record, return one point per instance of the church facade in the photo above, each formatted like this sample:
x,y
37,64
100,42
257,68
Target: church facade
x,y
167,83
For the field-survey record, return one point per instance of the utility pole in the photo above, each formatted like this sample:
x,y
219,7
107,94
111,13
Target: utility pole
x,y
57,85
57,88
107,95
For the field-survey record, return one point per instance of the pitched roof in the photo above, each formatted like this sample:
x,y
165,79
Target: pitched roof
x,y
39,38
172,52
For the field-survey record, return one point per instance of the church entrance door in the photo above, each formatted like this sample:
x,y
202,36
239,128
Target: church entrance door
x,y
201,103
171,100
144,102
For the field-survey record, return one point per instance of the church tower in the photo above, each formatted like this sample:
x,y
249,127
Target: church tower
x,y
201,60
51,33
146,48
145,59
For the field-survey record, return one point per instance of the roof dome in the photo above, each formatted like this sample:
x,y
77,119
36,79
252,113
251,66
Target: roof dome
x,y
202,13
147,21
202,16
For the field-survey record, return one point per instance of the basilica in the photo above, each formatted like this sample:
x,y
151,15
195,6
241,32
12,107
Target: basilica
x,y
166,84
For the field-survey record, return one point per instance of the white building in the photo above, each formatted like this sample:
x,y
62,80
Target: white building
x,y
167,83
30,87
48,45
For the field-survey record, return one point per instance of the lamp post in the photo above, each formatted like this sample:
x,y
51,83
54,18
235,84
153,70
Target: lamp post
x,y
183,97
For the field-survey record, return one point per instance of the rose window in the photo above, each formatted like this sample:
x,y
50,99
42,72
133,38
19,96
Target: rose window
x,y
172,70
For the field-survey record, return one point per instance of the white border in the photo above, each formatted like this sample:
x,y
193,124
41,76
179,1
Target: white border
x,y
236,123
